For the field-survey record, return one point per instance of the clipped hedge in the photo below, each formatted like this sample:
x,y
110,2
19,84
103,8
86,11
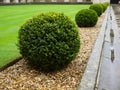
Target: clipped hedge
x,y
86,18
49,41
97,7
104,5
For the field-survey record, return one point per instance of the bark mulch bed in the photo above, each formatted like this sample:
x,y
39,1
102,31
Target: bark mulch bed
x,y
21,77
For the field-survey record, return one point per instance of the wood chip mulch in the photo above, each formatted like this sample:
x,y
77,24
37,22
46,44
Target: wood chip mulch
x,y
21,77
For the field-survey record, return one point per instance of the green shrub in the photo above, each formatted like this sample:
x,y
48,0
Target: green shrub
x,y
103,6
106,4
49,41
98,8
86,18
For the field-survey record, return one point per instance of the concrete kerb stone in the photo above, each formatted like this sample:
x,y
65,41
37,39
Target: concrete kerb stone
x,y
88,81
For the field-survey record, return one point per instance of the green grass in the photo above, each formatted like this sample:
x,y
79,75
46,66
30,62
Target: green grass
x,y
12,17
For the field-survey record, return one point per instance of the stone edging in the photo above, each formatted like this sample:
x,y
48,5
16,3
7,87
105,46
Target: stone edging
x,y
88,81
10,64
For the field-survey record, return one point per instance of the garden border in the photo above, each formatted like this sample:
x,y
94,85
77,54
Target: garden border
x,y
10,63
89,78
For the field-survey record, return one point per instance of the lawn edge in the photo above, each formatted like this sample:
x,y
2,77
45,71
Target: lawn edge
x,y
10,64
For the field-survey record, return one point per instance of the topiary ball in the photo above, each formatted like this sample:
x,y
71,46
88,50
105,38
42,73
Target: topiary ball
x,y
49,41
86,18
97,7
103,6
106,5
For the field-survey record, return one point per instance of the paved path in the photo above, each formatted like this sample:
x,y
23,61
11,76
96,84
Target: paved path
x,y
109,74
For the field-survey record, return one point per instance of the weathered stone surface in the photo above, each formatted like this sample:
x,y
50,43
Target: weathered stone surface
x,y
109,78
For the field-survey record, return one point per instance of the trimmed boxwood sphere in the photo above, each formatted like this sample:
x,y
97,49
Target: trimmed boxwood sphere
x,y
104,7
97,7
86,18
49,41
106,4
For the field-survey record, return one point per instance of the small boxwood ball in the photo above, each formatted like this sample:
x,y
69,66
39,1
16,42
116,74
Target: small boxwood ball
x,y
49,41
104,7
86,18
98,8
106,4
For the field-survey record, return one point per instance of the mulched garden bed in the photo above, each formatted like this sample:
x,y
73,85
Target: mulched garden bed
x,y
21,77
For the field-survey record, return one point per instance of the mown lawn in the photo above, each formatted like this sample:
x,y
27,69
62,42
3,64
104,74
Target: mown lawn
x,y
12,17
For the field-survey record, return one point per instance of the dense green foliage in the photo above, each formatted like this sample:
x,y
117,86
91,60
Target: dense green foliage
x,y
13,16
98,8
104,5
49,41
86,18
